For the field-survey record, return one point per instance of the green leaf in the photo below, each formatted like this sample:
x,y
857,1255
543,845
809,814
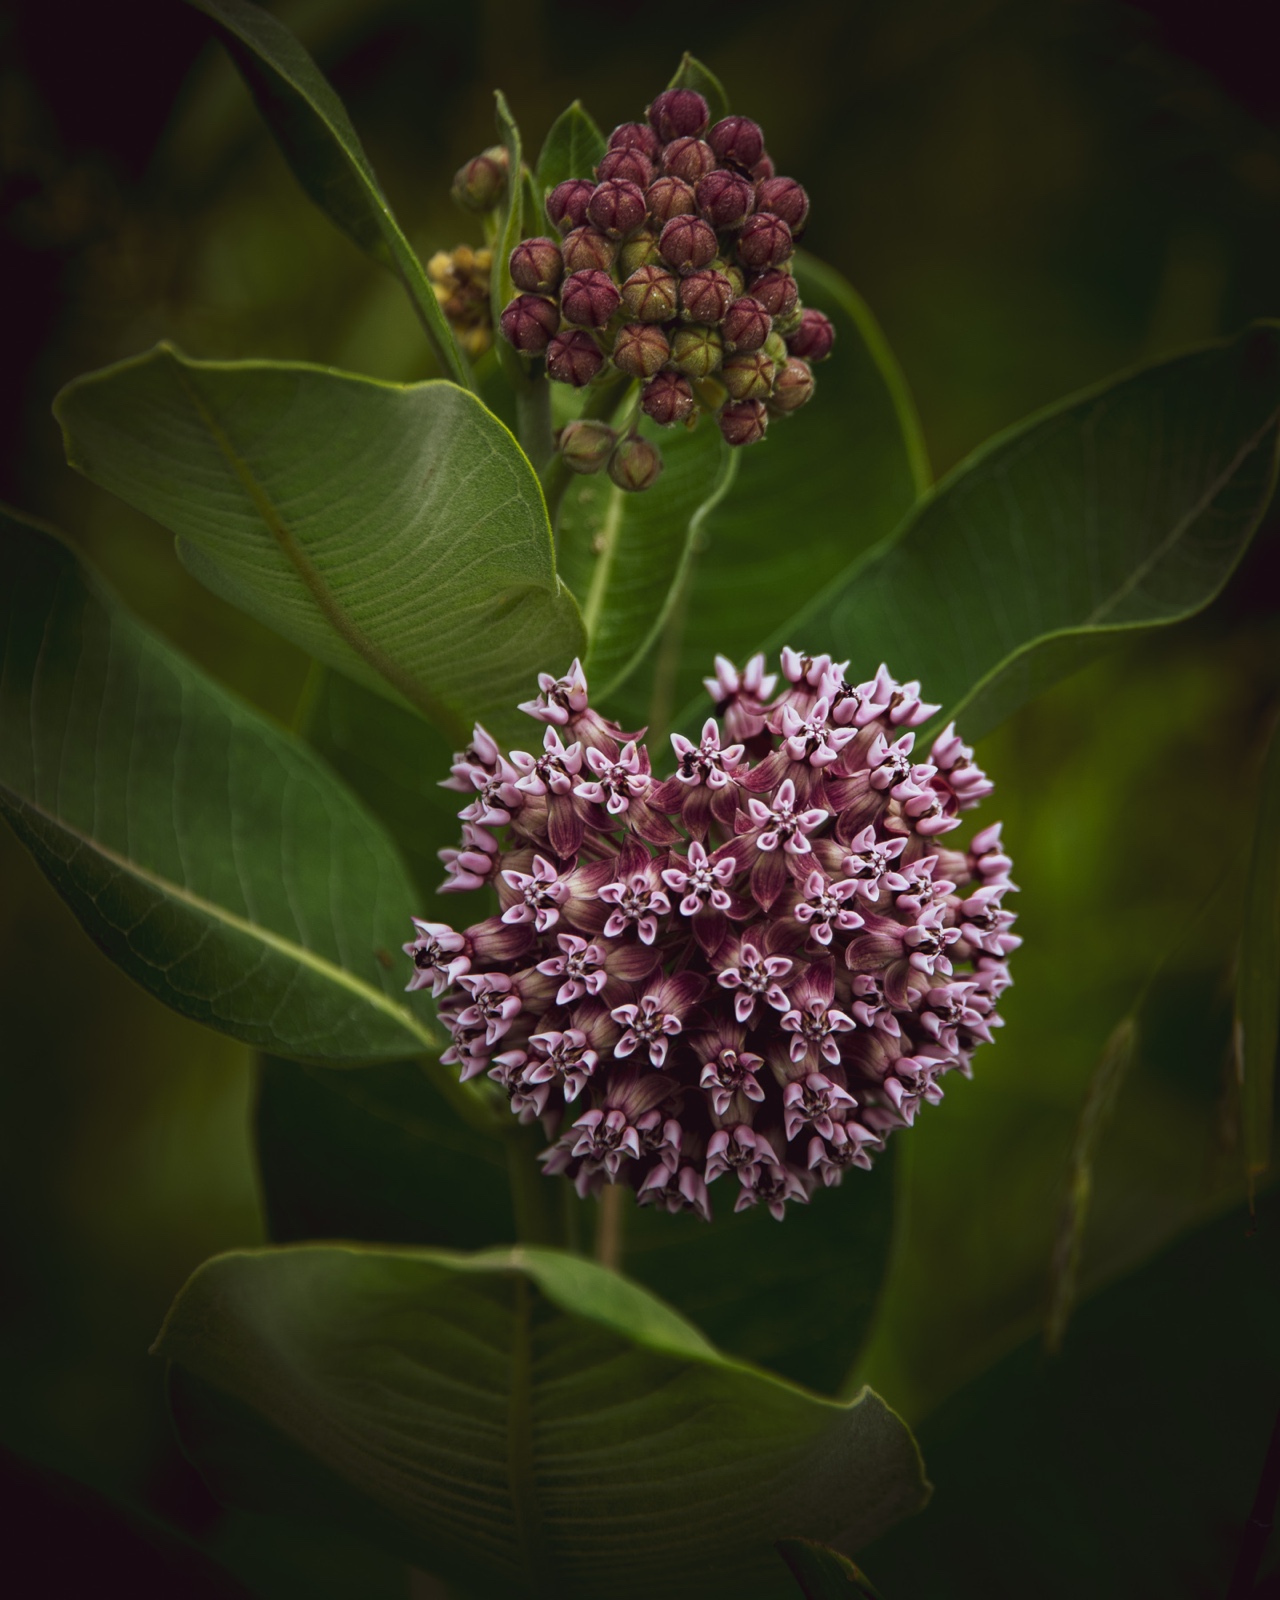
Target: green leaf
x,y
1116,511
572,149
823,1573
511,230
209,854
314,133
522,1419
691,74
627,554
1258,983
397,533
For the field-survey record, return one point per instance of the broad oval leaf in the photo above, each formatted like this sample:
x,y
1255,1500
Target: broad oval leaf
x,y
572,149
397,533
211,855
1257,1024
1115,511
691,74
522,1420
311,126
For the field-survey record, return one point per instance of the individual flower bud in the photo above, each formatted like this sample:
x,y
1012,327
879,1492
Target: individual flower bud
x,y
725,199
785,198
696,351
536,266
776,291
764,242
749,376
633,165
743,422
668,399
678,114
573,357
669,197
588,299
737,142
813,339
746,325
775,347
650,294
687,243
640,250
640,350
788,323
635,464
763,169
617,207
705,296
567,203
636,136
793,387
482,182
528,323
689,159
585,248
734,275
586,445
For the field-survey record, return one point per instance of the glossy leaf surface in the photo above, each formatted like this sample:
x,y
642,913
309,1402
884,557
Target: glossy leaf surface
x,y
1258,982
212,856
572,149
311,126
396,533
521,1419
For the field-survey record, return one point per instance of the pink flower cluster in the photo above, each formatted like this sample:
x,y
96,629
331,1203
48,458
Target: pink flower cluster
x,y
761,965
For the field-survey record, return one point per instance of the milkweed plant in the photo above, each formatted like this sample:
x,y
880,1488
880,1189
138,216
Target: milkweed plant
x,y
630,837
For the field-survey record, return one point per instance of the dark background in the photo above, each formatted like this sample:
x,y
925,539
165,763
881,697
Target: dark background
x,y
1030,196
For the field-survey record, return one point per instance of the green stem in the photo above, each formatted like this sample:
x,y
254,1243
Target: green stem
x,y
610,1225
532,1196
533,421
599,406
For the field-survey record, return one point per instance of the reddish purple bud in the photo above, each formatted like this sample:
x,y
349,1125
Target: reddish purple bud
x,y
687,243
567,203
636,136
725,199
536,266
585,248
635,464
696,351
737,142
776,291
633,165
573,357
793,387
689,159
640,250
746,325
482,182
813,339
678,114
528,323
785,198
650,294
617,207
588,299
640,350
763,169
668,399
669,197
743,422
586,445
705,296
764,242
749,376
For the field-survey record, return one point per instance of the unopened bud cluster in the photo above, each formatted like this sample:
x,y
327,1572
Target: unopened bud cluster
x,y
672,267
460,279
757,968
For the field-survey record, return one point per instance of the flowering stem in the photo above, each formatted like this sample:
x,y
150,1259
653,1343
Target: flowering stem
x,y
601,402
532,1196
533,422
609,1226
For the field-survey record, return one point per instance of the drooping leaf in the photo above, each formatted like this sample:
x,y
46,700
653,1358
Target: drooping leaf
x,y
208,853
1127,1465
523,1420
823,1573
691,74
1258,982
572,149
1119,510
311,126
395,532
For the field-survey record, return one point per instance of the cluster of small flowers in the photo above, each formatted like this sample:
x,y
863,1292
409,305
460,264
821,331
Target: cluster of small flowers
x,y
460,279
762,965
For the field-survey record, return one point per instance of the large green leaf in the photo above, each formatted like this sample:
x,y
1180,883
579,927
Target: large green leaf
x,y
397,533
1258,983
572,149
1112,512
314,133
1126,1467
523,1419
212,856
